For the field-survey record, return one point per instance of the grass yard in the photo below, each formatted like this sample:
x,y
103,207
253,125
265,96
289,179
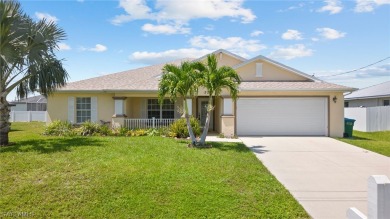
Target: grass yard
x,y
135,177
378,142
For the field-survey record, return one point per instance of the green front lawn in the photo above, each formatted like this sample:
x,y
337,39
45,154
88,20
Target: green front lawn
x,y
378,142
135,177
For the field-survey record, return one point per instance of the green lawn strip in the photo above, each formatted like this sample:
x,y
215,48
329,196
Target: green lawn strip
x,y
378,142
136,177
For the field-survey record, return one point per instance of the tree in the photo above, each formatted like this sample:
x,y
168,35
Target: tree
x,y
215,79
28,62
179,81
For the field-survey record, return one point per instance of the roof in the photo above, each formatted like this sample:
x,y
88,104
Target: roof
x,y
224,52
291,86
376,91
34,99
146,79
140,79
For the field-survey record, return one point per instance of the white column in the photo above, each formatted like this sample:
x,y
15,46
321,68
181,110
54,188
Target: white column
x,y
189,104
227,106
119,106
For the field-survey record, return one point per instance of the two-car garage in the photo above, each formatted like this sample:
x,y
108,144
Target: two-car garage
x,y
282,116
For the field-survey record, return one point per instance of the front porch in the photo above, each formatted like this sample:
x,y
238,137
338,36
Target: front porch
x,y
146,112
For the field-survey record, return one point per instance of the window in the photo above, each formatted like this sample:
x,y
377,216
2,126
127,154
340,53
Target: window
x,y
346,104
83,109
166,111
386,102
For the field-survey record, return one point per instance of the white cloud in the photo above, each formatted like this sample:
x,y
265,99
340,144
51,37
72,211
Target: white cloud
x,y
168,55
333,6
236,45
97,48
48,17
314,39
300,5
199,46
364,74
256,33
330,34
292,35
181,12
291,52
369,5
63,46
165,29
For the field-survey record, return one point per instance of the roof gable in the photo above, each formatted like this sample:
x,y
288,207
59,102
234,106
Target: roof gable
x,y
261,58
225,58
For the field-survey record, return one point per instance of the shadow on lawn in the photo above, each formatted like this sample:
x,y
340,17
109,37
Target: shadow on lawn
x,y
232,146
51,145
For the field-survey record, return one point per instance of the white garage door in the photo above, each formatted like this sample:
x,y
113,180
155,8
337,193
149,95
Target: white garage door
x,y
282,116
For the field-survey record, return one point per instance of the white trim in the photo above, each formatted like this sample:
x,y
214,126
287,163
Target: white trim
x,y
71,110
94,110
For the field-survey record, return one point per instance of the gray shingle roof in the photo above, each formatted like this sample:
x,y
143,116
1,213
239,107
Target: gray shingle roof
x,y
34,99
140,79
379,90
146,79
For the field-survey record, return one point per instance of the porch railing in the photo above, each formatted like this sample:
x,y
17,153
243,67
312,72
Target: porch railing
x,y
147,123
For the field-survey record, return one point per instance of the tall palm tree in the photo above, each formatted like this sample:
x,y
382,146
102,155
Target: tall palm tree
x,y
215,79
179,81
27,58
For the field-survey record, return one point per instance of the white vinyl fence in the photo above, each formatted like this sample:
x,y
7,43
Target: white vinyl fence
x,y
28,116
370,119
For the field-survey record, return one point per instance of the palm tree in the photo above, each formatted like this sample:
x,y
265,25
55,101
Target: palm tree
x,y
27,58
179,81
215,79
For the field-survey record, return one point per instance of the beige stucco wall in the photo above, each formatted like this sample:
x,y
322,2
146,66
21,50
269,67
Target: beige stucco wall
x,y
270,73
57,105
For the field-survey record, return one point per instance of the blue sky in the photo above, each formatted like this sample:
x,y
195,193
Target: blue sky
x,y
317,37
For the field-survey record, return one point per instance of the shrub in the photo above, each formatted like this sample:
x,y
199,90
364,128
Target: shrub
x,y
88,128
153,132
105,130
59,128
179,127
122,131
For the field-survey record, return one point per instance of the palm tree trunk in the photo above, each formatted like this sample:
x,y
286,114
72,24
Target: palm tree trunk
x,y
189,127
207,123
4,121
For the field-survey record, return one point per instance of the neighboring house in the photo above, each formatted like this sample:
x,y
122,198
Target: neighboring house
x,y
274,99
35,103
377,95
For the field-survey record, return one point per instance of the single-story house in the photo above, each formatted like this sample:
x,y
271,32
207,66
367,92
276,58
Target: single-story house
x,y
377,95
274,99
35,103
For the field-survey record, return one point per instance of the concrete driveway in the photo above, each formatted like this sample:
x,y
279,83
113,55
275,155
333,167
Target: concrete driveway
x,y
326,176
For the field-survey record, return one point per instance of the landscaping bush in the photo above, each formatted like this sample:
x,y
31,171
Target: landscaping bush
x,y
59,128
89,128
179,128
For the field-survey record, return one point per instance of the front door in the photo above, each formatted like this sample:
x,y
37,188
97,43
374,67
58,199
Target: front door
x,y
202,112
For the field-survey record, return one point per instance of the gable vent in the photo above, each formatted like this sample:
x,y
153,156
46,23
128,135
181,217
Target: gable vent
x,y
259,69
